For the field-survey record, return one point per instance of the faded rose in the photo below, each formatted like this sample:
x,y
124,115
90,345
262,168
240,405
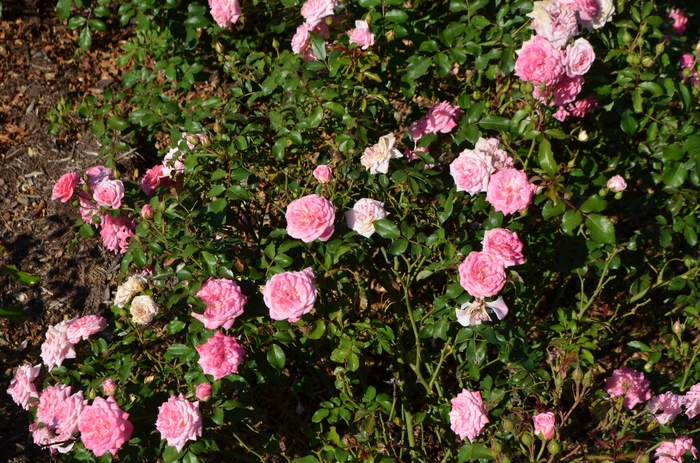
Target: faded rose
x,y
692,401
544,425
179,420
504,246
57,347
314,11
666,406
220,355
97,174
554,21
115,232
578,58
376,157
143,310
679,20
310,217
130,288
289,295
224,301
471,171
225,12
65,186
468,415
58,411
104,427
509,191
481,275
606,10
22,388
474,313
629,383
109,193
301,38
84,327
363,214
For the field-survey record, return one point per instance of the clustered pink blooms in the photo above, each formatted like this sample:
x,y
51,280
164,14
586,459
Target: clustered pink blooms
x,y
672,452
220,355
630,384
666,407
363,214
104,427
322,173
179,420
289,295
314,13
616,184
468,415
544,425
688,62
224,301
22,388
172,165
225,12
680,20
61,338
376,157
362,35
692,401
309,218
442,117
57,417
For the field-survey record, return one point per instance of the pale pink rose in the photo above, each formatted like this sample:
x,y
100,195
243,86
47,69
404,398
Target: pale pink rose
x,y
309,218
509,191
289,295
57,347
97,174
471,171
629,383
143,309
563,92
115,232
561,114
504,246
314,11
361,35
225,12
109,193
109,387
152,179
363,214
554,21
22,389
666,406
468,415
65,186
474,313
323,173
146,212
490,147
220,355
544,425
442,118
679,20
179,420
59,411
302,36
605,12
418,128
203,391
88,209
672,452
539,62
85,327
691,401
224,301
586,9
578,58
376,157
481,275
173,165
616,183
582,107
104,427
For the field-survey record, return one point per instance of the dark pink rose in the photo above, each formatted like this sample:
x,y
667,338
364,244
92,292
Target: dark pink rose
x,y
65,186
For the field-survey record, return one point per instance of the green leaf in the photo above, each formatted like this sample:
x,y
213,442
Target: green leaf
x,y
637,100
397,16
117,123
594,204
386,229
675,175
601,228
398,247
318,46
63,8
76,22
546,158
13,313
21,277
493,122
570,220
320,414
369,3
474,112
97,25
85,38
276,357
175,326
210,262
628,123
418,67
197,22
315,118
549,210
472,452
638,346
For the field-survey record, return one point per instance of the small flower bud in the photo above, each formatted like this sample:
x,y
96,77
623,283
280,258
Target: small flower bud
x,y
508,425
527,88
496,446
648,367
192,140
526,439
109,387
647,62
583,136
554,447
217,128
627,38
203,391
219,47
504,459
660,48
633,59
577,376
618,195
146,212
678,327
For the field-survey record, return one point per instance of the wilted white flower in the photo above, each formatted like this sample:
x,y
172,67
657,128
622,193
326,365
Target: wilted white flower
x,y
143,310
130,288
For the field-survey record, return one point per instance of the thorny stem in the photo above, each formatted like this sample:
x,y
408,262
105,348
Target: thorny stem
x,y
416,367
437,369
601,283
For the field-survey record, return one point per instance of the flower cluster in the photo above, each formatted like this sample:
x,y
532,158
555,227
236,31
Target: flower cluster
x,y
61,338
166,172
442,117
314,13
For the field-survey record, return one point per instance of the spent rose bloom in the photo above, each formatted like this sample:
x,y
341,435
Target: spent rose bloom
x,y
509,191
314,11
203,391
679,20
363,214
224,301
554,20
442,118
692,401
361,35
58,412
500,159
616,183
539,62
57,347
220,355
323,173
561,114
225,12
289,295
97,174
629,383
578,58
152,179
666,406
84,327
109,387
130,288
481,275
179,420
116,231
468,415
582,107
376,157
504,246
471,171
104,427
586,9
310,217
301,38
606,10
143,309
65,186
474,313
22,389
672,452
544,425
109,193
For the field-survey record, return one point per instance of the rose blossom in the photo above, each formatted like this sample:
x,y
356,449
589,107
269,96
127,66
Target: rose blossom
x,y
361,35
173,165
88,209
679,20
376,157
539,62
509,191
473,313
554,21
203,391
692,401
130,288
672,452
22,389
629,383
109,193
104,427
58,411
224,301
179,420
109,387
97,174
115,232
152,179
143,310
301,38
688,62
323,173
220,355
289,295
578,58
363,214
310,217
586,9
64,187
225,12
314,11
616,183
481,275
605,12
146,212
563,92
561,114
504,246
582,107
85,327
669,404
57,347
490,148
471,171
544,425
468,415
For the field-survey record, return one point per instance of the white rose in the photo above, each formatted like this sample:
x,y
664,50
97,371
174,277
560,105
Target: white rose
x,y
143,310
130,288
363,214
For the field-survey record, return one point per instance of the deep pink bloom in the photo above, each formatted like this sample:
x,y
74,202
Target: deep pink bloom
x,y
509,191
179,420
203,391
544,425
58,411
65,186
115,232
468,415
109,193
109,387
679,20
323,173
22,388
629,383
152,179
220,355
225,12
224,301
582,107
666,406
481,275
85,327
692,401
578,58
289,295
57,347
310,217
361,35
539,62
561,114
504,246
672,452
314,11
471,171
616,183
104,427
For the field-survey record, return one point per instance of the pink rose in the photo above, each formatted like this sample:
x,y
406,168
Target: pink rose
x,y
361,35
179,420
109,387
586,9
668,404
539,62
616,183
481,275
582,107
88,209
84,327
691,401
289,295
146,212
544,425
468,415
224,301
628,383
104,427
22,389
491,149
688,62
203,391
504,246
310,217
672,452
471,171
58,411
578,58
323,174
97,174
301,38
220,355
679,20
474,313
561,114
563,92
314,11
509,191
363,214
109,193
57,347
554,21
115,232
152,179
225,12
173,165
63,189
